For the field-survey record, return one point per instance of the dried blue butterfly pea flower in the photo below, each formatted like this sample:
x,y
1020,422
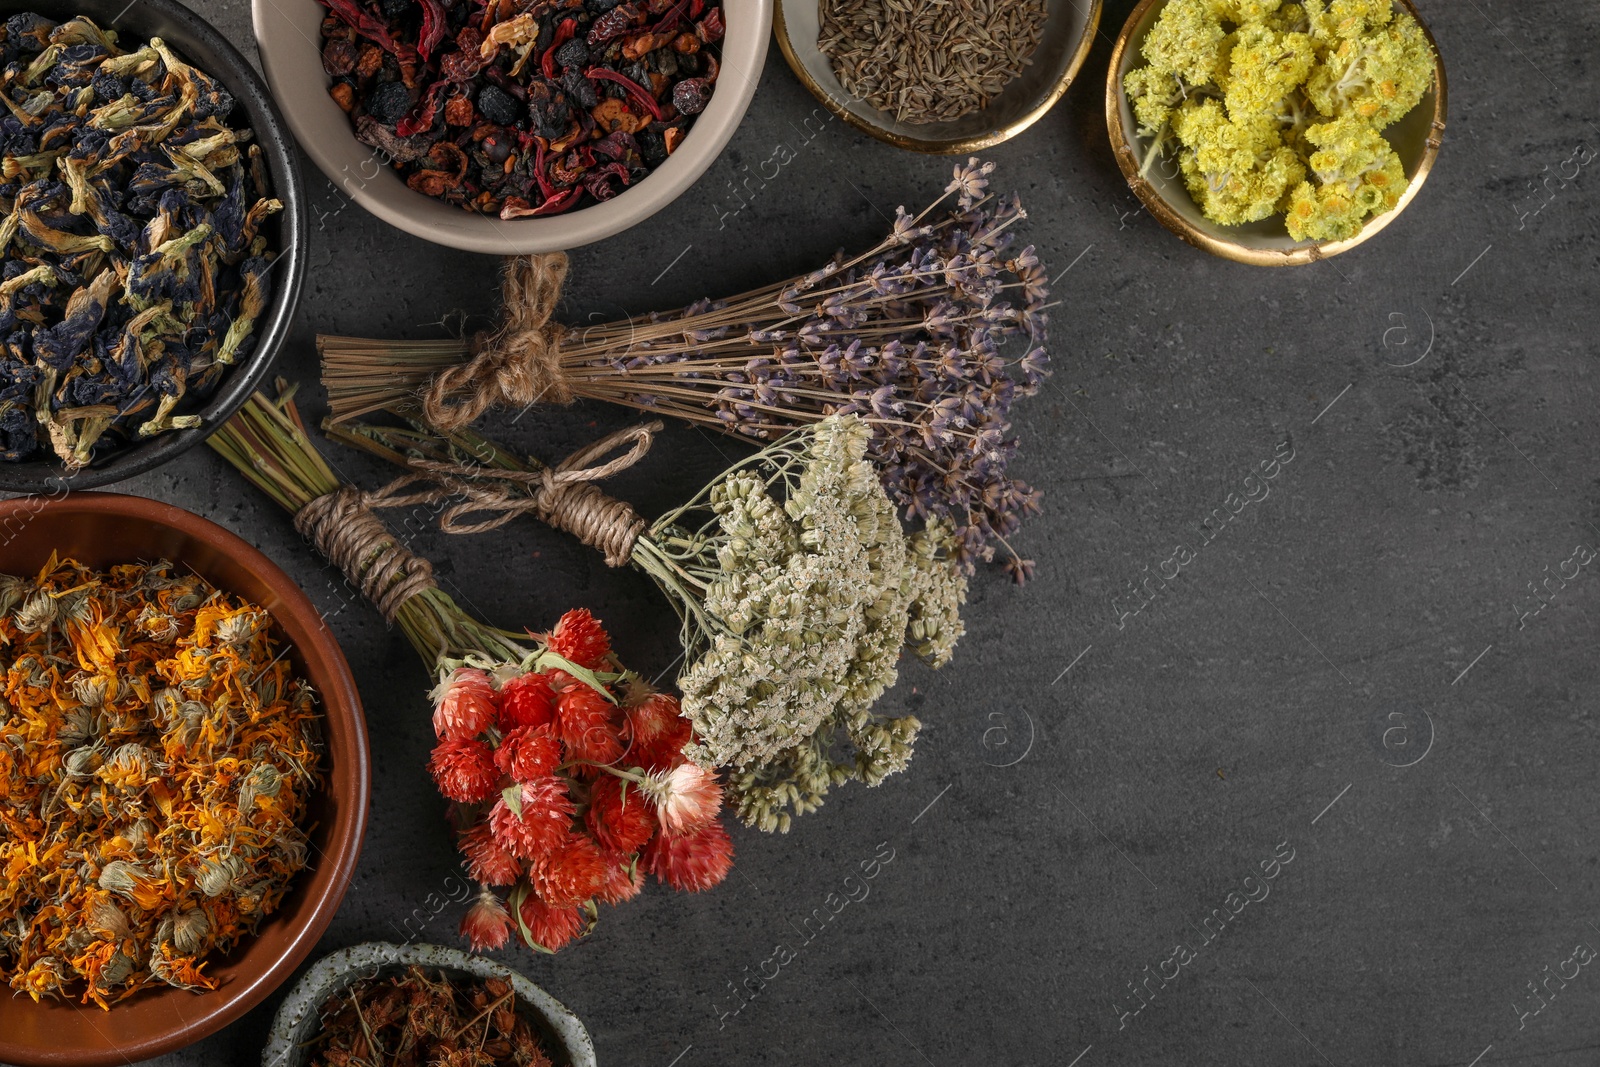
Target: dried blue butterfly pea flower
x,y
126,204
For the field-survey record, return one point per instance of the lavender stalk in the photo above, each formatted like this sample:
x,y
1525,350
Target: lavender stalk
x,y
908,336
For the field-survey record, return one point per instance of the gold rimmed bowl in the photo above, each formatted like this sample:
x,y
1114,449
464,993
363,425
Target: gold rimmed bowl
x,y
1416,139
1069,30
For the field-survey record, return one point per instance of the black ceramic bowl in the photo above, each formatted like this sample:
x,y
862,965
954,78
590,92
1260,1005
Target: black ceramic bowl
x,y
197,42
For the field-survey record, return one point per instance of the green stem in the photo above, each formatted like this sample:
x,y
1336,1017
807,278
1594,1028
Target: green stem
x,y
268,443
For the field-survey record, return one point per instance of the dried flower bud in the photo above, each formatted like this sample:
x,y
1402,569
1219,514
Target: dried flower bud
x,y
685,797
190,930
692,862
487,925
37,613
465,704
217,875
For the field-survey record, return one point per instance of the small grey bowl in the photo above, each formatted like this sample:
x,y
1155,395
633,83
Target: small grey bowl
x,y
299,1018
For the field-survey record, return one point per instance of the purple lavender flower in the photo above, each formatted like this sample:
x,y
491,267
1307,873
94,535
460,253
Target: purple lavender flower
x,y
912,335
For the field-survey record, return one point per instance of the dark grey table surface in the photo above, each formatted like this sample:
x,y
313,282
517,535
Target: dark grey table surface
x,y
1349,673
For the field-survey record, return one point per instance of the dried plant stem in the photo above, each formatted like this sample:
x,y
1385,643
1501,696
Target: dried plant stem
x,y
268,443
912,337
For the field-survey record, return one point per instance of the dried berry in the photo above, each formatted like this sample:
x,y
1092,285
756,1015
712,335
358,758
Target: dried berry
x,y
691,95
497,149
389,103
499,106
339,56
581,89
612,24
652,148
573,54
545,80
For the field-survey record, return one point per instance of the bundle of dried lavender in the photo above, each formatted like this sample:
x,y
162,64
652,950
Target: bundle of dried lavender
x,y
907,335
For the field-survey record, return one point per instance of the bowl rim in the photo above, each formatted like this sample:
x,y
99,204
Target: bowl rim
x,y
272,327
945,146
348,828
339,969
472,232
1235,250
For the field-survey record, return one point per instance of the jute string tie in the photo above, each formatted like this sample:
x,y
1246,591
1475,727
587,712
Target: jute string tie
x,y
563,496
518,362
342,526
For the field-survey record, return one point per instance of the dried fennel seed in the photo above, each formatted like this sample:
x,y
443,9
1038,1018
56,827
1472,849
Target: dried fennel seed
x,y
929,62
156,758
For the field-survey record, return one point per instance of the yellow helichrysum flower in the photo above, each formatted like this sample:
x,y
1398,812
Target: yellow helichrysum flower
x,y
1379,76
1242,11
1347,19
1265,67
1237,172
1153,93
1189,41
1355,174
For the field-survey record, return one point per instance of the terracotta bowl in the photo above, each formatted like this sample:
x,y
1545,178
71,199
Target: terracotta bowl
x,y
101,529
1416,139
196,41
1069,31
289,39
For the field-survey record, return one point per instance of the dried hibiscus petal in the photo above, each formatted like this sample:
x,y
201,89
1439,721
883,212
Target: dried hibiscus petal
x,y
527,83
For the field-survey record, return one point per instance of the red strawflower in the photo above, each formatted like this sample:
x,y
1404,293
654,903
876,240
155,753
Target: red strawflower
x,y
624,879
570,873
579,637
487,861
685,797
693,861
585,724
618,815
464,770
656,732
487,924
552,928
466,704
527,700
547,810
528,752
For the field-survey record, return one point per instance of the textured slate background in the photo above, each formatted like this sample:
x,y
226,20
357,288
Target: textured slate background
x,y
1058,832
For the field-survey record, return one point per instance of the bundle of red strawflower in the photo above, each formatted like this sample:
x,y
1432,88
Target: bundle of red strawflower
x,y
569,791
566,772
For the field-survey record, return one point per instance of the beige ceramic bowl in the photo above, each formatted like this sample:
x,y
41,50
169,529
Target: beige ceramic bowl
x,y
1068,34
1416,139
289,38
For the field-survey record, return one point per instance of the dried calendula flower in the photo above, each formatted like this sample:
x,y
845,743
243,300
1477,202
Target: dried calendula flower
x,y
156,758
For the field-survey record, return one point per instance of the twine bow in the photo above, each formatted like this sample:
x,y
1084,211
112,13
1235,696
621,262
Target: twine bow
x,y
563,496
516,363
